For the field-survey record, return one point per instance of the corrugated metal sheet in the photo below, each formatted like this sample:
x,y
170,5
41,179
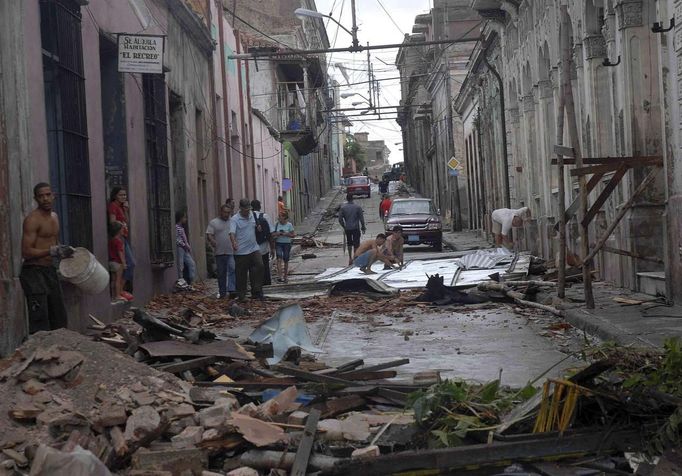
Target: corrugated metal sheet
x,y
486,259
465,271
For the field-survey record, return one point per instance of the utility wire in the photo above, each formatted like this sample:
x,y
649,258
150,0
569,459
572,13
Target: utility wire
x,y
389,16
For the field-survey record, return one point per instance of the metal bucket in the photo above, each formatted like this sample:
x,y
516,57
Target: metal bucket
x,y
83,270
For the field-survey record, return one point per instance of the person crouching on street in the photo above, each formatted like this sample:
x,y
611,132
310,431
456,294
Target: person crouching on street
x,y
283,235
368,252
247,254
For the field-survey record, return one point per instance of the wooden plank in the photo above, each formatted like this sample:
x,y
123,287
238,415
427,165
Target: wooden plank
x,y
251,384
337,406
386,365
623,210
594,169
306,445
631,254
396,397
362,375
179,367
534,448
609,160
573,207
564,151
352,365
312,377
605,194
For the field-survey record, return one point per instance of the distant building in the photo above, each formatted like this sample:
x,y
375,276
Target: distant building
x,y
376,154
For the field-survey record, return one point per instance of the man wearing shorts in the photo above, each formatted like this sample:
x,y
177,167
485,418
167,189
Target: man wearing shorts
x,y
352,220
503,221
368,252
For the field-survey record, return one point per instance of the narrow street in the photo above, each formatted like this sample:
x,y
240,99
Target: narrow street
x,y
466,344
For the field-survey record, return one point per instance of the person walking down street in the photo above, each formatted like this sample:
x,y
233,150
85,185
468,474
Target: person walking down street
x,y
264,227
504,219
247,254
217,234
118,212
352,220
117,261
383,186
283,235
40,249
384,207
184,250
368,252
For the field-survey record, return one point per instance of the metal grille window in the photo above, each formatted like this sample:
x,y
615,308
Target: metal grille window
x,y
158,172
67,131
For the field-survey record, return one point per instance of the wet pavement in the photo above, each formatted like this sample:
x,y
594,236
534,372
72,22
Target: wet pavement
x,y
475,344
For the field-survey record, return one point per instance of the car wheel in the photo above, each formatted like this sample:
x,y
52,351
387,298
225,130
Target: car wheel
x,y
438,246
369,195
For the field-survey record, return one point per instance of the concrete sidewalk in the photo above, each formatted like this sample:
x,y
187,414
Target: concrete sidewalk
x,y
644,325
465,240
648,324
312,221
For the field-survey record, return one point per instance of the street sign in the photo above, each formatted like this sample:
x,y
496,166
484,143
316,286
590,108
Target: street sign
x,y
453,172
140,53
453,163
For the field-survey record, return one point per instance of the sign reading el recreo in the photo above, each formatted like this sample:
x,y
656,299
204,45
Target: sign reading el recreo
x,y
140,53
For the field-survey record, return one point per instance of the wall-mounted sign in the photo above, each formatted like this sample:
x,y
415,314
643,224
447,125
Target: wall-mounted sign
x,y
140,53
287,184
453,163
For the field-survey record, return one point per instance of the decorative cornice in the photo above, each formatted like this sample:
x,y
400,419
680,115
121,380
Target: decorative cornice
x,y
629,14
595,46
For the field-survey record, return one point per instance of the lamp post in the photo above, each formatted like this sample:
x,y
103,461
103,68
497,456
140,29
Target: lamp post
x,y
302,13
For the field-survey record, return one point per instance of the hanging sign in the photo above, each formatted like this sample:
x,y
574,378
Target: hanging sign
x,y
140,53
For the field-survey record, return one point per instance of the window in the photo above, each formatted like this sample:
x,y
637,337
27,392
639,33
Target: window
x,y
67,130
412,207
158,173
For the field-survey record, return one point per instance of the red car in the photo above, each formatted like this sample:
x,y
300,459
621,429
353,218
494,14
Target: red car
x,y
359,185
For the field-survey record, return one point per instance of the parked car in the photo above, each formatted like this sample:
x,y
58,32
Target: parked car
x,y
359,185
419,219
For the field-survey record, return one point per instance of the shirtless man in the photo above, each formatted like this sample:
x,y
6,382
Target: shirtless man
x,y
393,248
40,248
368,252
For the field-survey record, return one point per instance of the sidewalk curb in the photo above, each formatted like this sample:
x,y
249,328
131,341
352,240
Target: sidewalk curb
x,y
602,328
296,249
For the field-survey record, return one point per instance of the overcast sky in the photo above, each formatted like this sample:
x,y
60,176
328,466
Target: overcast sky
x,y
377,28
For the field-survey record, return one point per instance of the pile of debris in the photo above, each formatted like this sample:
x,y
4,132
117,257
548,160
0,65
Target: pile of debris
x,y
76,406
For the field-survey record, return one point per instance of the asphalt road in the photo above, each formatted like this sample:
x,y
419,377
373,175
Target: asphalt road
x,y
474,345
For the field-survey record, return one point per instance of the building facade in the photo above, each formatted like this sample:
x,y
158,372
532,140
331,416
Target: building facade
x,y
376,155
431,76
185,139
624,84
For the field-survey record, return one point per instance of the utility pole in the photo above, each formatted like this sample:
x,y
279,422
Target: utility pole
x,y
354,29
575,143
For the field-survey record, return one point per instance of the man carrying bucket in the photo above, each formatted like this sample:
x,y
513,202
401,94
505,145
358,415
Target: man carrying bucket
x,y
40,248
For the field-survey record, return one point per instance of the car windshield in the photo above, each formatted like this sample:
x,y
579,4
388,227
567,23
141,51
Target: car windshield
x,y
358,181
412,207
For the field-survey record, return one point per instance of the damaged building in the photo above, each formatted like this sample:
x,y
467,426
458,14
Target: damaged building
x,y
623,78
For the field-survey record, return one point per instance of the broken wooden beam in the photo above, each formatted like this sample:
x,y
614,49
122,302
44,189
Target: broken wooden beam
x,y
536,447
564,151
306,445
311,377
631,254
605,193
386,365
337,406
191,364
608,160
624,209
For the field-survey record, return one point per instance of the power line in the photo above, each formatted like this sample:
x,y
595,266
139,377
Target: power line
x,y
389,16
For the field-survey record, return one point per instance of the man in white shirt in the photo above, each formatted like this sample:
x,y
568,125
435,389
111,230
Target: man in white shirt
x,y
504,219
248,259
217,234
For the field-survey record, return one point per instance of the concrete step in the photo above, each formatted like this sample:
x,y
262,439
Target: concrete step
x,y
651,282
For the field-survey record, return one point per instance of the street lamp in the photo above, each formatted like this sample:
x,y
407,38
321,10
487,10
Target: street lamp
x,y
302,13
350,94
